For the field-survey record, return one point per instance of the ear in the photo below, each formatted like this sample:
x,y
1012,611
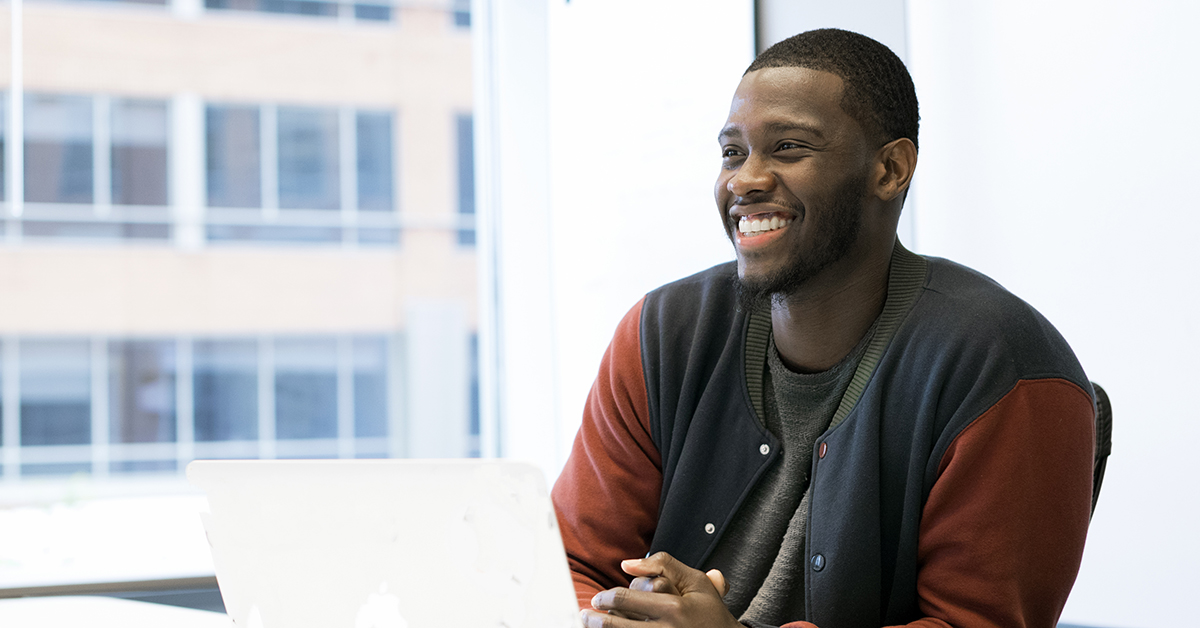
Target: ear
x,y
894,166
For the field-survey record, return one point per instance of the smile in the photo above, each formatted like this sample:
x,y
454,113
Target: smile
x,y
761,223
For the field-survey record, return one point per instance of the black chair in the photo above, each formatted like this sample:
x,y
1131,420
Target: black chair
x,y
1103,440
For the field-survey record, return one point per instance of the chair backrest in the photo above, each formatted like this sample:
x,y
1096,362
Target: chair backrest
x,y
1103,440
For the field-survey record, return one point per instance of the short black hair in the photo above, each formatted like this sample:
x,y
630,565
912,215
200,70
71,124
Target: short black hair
x,y
877,89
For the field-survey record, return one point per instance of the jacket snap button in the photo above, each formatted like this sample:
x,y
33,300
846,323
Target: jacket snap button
x,y
710,528
824,448
818,562
764,449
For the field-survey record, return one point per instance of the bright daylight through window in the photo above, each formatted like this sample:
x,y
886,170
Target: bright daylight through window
x,y
228,229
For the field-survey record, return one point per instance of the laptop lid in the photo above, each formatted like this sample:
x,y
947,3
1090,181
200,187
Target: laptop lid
x,y
385,543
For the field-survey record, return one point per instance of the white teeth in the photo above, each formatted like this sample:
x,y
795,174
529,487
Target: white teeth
x,y
747,225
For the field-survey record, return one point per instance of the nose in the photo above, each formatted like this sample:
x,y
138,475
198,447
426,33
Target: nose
x,y
751,177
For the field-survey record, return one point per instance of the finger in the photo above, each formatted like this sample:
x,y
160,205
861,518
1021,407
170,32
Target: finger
x,y
640,567
654,585
718,580
663,564
593,619
642,603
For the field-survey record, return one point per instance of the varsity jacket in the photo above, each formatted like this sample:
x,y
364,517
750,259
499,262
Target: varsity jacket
x,y
953,487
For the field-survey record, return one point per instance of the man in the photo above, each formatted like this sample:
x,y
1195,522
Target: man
x,y
832,430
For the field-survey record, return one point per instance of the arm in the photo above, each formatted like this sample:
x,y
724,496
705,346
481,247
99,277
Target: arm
x,y
607,495
1002,532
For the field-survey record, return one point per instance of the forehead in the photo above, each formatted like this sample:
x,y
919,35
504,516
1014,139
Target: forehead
x,y
773,98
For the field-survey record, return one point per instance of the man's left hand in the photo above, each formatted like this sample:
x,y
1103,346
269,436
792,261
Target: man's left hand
x,y
692,602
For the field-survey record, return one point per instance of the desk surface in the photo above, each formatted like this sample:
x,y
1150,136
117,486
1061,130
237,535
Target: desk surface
x,y
92,543
102,612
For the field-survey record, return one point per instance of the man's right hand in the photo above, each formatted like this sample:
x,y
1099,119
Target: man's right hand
x,y
663,590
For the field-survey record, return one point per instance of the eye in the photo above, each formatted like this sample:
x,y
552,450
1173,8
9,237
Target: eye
x,y
729,152
790,145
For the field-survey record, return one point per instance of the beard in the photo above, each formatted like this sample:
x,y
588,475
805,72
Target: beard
x,y
834,237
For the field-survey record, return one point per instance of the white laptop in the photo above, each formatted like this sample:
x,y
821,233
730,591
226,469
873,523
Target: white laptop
x,y
385,544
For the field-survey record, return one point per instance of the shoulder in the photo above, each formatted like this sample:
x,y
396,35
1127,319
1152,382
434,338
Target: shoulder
x,y
716,284
968,315
701,307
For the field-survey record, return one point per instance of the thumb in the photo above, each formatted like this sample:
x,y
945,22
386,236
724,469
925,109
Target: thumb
x,y
663,564
718,580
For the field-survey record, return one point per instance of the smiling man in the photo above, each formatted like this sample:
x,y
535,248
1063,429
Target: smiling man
x,y
833,431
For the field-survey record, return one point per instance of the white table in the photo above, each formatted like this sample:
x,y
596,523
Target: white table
x,y
102,612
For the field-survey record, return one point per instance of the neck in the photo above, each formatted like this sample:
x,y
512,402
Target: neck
x,y
818,325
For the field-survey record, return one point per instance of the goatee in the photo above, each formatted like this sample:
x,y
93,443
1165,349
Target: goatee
x,y
834,237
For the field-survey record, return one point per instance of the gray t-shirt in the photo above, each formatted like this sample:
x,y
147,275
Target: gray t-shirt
x,y
762,552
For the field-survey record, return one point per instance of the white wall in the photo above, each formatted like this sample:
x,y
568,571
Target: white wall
x,y
638,92
597,130
1058,155
1057,142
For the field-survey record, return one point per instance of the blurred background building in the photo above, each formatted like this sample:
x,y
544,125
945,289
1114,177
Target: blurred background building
x,y
230,228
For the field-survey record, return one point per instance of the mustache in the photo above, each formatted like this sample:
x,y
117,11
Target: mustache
x,y
767,198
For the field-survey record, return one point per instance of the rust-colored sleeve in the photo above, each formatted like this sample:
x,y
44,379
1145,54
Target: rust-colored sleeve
x,y
1002,532
607,495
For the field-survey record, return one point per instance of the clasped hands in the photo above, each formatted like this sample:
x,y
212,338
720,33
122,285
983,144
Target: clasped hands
x,y
664,592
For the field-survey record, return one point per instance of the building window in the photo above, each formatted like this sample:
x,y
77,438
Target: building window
x,y
141,391
308,158
306,373
95,168
112,405
465,142
139,152
56,401
232,156
225,390
371,390
373,145
3,146
141,395
461,14
372,11
58,149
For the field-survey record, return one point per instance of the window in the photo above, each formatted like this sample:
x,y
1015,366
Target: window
x,y
58,149
139,152
232,156
465,141
95,168
56,401
330,170
306,392
133,405
225,389
308,158
374,11
141,395
373,144
462,13
371,392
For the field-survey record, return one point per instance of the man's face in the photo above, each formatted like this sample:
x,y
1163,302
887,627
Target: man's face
x,y
793,179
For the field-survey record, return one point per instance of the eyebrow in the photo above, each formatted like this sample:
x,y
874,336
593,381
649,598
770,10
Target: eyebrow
x,y
733,132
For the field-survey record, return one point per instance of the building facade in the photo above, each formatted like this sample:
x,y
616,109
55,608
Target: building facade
x,y
235,228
